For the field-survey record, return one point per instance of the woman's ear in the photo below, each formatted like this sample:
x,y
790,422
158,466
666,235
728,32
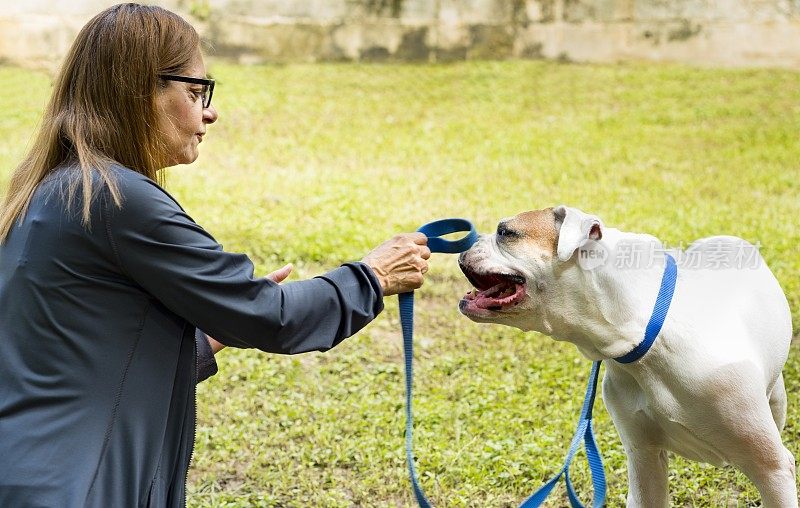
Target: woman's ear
x,y
575,228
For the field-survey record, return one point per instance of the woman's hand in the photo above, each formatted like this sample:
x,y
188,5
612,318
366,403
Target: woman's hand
x,y
400,263
278,276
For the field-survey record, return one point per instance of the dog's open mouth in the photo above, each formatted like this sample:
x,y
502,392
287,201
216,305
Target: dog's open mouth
x,y
495,291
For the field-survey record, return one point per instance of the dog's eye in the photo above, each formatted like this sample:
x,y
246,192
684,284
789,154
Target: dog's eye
x,y
504,232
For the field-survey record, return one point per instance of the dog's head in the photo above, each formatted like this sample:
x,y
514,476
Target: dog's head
x,y
514,269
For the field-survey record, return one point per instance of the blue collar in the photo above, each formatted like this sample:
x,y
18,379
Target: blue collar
x,y
659,313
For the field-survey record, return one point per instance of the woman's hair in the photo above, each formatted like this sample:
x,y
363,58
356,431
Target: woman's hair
x,y
102,109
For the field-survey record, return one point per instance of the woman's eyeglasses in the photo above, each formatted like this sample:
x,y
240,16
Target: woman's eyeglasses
x,y
208,85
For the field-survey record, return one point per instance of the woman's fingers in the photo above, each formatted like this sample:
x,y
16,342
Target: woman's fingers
x,y
399,263
419,238
425,252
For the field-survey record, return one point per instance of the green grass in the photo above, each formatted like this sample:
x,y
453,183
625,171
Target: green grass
x,y
315,164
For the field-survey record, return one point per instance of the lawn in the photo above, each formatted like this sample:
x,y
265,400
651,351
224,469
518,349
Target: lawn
x,y
315,164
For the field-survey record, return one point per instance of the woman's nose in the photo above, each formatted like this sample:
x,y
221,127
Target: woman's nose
x,y
210,114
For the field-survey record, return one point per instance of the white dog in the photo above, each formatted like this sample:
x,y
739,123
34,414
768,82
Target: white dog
x,y
710,388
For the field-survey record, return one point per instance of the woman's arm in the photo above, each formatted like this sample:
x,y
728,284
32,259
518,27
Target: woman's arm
x,y
278,276
158,246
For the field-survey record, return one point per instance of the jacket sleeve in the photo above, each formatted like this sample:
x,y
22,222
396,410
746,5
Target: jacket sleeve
x,y
177,262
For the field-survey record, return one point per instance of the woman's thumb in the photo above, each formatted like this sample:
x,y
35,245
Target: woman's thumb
x,y
280,274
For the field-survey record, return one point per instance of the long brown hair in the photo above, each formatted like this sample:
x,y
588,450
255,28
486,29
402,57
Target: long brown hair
x,y
102,109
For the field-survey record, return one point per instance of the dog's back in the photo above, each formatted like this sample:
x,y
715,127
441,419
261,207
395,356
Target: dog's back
x,y
727,281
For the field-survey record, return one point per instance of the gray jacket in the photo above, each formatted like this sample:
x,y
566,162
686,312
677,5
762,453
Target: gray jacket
x,y
98,357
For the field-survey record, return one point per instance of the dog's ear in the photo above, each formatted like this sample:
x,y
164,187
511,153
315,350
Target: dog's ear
x,y
575,228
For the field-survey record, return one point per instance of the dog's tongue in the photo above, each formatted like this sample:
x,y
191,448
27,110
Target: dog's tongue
x,y
496,297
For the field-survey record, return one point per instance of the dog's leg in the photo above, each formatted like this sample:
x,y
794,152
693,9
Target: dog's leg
x,y
777,403
641,436
746,432
647,478
775,479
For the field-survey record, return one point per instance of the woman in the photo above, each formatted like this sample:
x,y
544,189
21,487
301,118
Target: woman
x,y
105,282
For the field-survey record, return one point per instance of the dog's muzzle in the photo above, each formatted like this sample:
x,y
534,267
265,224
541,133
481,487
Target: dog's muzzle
x,y
495,291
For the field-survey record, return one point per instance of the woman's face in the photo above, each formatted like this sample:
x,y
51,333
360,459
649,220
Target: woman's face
x,y
181,117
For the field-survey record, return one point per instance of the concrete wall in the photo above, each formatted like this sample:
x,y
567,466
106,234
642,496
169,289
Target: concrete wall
x,y
703,32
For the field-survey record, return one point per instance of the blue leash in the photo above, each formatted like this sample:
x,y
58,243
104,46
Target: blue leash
x,y
433,231
585,430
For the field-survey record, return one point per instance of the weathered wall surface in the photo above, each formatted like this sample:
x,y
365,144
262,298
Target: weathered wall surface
x,y
704,32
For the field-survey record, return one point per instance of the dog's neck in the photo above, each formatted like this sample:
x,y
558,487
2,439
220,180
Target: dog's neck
x,y
614,301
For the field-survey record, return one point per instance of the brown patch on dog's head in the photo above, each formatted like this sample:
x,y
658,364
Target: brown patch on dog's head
x,y
537,228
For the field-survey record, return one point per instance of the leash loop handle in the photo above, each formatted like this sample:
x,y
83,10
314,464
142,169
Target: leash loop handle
x,y
433,230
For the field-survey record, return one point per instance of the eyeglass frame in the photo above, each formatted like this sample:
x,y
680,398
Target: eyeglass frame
x,y
196,81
